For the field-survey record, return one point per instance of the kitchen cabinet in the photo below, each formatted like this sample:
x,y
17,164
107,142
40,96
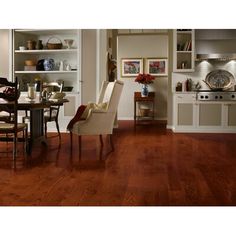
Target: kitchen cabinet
x,y
183,50
184,116
70,57
231,121
210,114
191,115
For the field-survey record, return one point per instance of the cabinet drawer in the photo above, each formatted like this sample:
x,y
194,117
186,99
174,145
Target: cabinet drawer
x,y
185,97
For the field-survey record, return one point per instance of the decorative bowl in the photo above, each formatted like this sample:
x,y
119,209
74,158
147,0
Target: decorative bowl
x,y
29,63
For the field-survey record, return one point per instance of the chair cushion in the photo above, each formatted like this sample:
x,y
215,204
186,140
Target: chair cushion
x,y
10,127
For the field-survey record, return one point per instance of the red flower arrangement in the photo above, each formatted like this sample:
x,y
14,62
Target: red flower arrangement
x,y
144,79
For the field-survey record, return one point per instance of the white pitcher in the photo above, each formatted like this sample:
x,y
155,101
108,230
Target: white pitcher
x,y
61,67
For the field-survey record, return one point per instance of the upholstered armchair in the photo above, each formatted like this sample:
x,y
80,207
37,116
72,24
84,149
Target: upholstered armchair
x,y
99,119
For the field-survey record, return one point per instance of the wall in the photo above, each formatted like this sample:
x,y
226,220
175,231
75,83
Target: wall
x,y
88,65
170,99
4,53
145,46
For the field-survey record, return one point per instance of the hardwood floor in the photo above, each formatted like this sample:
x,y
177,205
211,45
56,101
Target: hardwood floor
x,y
150,167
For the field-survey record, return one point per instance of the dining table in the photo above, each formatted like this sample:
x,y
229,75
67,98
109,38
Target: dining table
x,y
36,124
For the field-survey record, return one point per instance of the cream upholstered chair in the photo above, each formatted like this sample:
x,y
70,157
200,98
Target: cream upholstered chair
x,y
100,121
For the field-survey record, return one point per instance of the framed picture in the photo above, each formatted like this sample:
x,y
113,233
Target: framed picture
x,y
131,67
157,67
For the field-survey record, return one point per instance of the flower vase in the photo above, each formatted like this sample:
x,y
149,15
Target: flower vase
x,y
144,91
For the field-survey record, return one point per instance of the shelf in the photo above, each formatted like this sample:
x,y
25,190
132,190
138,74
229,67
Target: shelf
x,y
45,72
184,70
47,31
184,32
45,51
184,51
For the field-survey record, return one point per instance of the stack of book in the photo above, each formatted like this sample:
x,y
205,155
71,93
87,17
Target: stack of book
x,y
187,46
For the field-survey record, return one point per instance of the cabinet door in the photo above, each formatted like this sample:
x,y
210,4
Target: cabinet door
x,y
210,114
232,115
185,114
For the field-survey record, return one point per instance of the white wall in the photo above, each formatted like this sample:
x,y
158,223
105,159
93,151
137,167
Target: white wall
x,y
4,53
88,66
144,46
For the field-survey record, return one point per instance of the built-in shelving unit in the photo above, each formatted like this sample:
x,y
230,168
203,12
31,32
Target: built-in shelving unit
x,y
184,50
70,75
69,56
46,72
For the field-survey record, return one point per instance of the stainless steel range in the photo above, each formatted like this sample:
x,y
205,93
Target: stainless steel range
x,y
219,81
209,95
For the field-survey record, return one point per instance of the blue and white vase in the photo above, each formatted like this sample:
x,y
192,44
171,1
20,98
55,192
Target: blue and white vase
x,y
48,64
144,91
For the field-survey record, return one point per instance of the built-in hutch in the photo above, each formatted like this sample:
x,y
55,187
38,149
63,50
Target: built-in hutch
x,y
70,57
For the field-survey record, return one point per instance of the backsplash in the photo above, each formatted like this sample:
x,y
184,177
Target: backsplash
x,y
201,70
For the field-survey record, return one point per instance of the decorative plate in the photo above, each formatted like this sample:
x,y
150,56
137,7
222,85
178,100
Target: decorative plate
x,y
220,80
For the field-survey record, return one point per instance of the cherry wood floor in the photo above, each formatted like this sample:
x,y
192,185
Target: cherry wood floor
x,y
149,167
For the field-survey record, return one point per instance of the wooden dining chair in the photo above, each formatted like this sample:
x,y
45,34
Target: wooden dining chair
x,y
51,114
8,104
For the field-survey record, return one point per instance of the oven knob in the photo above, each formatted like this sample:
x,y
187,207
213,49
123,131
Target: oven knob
x,y
221,97
206,97
233,96
216,97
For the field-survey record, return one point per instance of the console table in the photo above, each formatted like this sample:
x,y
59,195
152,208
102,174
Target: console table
x,y
147,115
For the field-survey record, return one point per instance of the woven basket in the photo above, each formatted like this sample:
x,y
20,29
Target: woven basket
x,y
54,45
144,111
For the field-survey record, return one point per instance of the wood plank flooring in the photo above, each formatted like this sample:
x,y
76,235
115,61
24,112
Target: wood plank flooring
x,y
150,167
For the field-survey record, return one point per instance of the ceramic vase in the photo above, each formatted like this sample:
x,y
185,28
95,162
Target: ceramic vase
x,y
144,91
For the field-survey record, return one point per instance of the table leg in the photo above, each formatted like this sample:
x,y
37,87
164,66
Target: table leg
x,y
36,127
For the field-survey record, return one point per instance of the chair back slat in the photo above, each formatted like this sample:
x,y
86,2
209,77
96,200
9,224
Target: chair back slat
x,y
9,100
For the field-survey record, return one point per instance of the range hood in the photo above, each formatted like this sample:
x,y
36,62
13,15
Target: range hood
x,y
216,56
215,44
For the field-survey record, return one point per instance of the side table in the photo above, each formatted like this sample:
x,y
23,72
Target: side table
x,y
150,114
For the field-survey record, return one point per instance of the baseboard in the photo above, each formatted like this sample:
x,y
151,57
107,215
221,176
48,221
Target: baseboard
x,y
132,118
